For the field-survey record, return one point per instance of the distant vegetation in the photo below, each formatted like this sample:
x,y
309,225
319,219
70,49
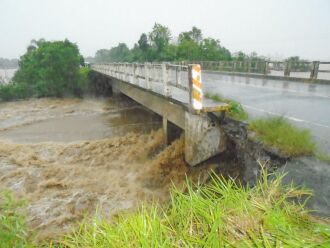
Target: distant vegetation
x,y
190,46
47,69
159,45
8,63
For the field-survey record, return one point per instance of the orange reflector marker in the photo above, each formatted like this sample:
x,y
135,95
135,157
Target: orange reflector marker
x,y
197,93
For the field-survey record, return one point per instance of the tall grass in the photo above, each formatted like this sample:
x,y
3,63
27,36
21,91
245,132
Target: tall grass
x,y
236,110
12,222
219,214
280,133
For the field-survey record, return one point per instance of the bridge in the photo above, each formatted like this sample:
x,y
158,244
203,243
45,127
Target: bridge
x,y
174,92
303,101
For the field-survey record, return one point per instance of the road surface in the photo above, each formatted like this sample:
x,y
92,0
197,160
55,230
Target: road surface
x,y
306,105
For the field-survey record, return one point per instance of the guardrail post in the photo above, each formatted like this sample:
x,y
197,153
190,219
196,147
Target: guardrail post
x,y
147,75
195,87
315,69
167,89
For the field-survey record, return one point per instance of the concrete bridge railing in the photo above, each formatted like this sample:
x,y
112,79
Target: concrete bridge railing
x,y
300,69
134,73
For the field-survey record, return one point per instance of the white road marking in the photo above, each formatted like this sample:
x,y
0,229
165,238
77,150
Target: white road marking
x,y
285,116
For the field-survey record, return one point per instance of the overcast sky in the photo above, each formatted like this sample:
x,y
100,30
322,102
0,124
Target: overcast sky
x,y
276,28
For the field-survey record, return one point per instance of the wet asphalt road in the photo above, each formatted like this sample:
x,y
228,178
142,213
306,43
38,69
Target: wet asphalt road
x,y
304,104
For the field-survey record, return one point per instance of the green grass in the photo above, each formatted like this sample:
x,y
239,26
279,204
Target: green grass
x,y
236,110
12,222
219,214
280,133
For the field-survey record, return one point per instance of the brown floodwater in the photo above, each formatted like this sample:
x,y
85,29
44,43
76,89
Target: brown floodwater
x,y
69,157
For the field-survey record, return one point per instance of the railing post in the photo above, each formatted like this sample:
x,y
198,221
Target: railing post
x,y
147,75
126,72
167,89
178,75
233,65
195,87
315,70
287,69
134,74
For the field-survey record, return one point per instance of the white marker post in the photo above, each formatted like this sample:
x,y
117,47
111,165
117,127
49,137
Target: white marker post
x,y
195,87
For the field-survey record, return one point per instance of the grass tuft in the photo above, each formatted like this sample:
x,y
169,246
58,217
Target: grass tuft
x,y
12,222
219,214
280,133
236,110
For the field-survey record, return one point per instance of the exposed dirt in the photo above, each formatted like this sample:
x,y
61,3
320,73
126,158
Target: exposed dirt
x,y
63,181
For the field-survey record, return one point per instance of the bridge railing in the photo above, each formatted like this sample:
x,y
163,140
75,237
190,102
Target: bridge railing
x,y
148,74
299,69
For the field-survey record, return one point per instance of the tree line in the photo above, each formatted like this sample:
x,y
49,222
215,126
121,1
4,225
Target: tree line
x,y
158,45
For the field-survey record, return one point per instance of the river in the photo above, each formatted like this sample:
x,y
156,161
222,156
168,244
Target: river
x,y
69,157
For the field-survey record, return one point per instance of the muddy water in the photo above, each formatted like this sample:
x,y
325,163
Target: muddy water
x,y
68,157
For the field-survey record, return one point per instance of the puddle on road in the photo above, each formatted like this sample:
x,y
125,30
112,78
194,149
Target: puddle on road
x,y
69,156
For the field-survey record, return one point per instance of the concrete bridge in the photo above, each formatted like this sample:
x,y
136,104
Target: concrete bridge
x,y
174,92
303,101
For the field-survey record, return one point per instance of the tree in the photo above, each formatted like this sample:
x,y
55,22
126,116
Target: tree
x,y
102,56
240,56
143,42
160,36
50,68
188,50
211,50
119,53
195,35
